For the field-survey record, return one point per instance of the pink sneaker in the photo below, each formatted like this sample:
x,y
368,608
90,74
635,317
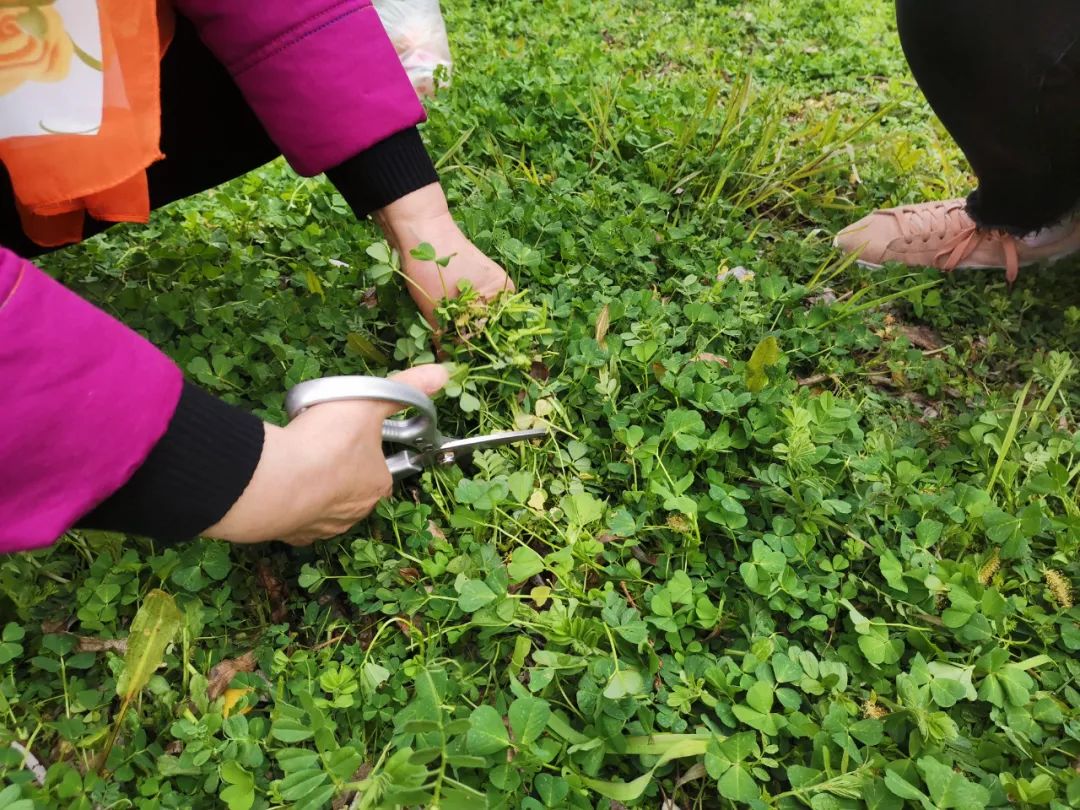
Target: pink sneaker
x,y
942,235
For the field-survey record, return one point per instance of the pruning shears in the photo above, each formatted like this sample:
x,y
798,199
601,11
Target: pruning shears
x,y
425,445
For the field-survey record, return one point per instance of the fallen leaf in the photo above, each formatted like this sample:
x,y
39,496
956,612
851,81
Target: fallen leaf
x,y
826,298
930,410
767,353
706,357
332,601
276,592
330,642
882,380
922,337
539,372
343,800
223,673
90,644
628,595
410,575
232,697
56,625
696,771
409,625
603,323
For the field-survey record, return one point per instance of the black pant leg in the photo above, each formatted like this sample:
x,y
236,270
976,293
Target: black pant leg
x,y
209,135
1004,77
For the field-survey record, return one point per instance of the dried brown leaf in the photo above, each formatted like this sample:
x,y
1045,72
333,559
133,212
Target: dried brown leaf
x,y
277,592
346,799
409,625
826,298
696,771
603,323
223,673
539,372
922,337
707,357
56,625
90,644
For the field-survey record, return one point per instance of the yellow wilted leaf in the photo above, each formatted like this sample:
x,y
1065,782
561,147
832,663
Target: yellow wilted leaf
x,y
231,698
766,354
314,286
540,594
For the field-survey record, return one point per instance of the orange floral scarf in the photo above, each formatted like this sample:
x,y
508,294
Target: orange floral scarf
x,y
80,111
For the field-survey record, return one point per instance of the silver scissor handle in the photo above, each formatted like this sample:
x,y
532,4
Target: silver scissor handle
x,y
421,431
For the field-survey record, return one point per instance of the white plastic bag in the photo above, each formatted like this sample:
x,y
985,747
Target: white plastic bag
x,y
418,31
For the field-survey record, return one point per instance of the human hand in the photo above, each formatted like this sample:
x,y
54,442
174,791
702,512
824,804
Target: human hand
x,y
424,216
321,475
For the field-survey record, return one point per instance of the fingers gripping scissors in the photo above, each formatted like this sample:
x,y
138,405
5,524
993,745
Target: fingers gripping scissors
x,y
425,445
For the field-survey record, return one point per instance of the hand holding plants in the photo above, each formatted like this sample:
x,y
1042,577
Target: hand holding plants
x,y
424,217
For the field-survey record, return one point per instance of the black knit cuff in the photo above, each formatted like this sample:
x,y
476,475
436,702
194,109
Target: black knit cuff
x,y
192,477
384,173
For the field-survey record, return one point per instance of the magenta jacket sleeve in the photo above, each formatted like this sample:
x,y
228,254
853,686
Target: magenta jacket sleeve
x,y
83,401
322,75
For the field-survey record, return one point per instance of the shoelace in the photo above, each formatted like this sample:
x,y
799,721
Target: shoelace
x,y
966,237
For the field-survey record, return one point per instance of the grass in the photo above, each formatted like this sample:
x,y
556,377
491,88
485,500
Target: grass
x,y
833,571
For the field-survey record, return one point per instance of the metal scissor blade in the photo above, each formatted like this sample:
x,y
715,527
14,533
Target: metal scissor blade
x,y
461,447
